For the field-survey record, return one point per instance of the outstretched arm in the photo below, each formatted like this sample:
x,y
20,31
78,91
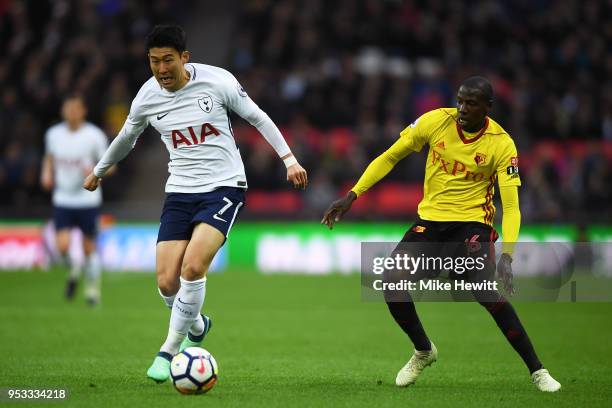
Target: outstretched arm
x,y
258,118
376,170
238,101
118,149
380,167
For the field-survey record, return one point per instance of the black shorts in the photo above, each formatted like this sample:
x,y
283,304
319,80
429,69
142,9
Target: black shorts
x,y
467,246
458,237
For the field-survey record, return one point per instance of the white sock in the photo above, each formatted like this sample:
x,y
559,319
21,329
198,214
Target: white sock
x,y
185,310
93,274
63,259
168,300
75,271
93,269
197,327
75,267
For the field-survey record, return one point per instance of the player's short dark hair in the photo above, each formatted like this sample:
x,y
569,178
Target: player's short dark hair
x,y
75,95
482,84
167,35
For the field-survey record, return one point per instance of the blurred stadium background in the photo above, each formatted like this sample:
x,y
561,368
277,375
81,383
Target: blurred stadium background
x,y
341,79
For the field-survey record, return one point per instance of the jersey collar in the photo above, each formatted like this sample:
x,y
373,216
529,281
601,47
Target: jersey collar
x,y
464,139
192,72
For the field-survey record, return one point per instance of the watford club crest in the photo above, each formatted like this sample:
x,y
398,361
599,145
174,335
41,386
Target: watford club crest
x,y
480,159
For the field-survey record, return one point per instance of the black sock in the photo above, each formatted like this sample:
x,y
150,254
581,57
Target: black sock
x,y
406,317
507,320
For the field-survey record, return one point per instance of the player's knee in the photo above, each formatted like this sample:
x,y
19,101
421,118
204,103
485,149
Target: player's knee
x,y
168,285
63,247
89,247
192,271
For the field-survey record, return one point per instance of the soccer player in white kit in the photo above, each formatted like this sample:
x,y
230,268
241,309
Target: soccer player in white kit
x,y
189,105
72,147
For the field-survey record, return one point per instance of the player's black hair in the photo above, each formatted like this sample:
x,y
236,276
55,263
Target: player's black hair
x,y
75,95
167,35
482,84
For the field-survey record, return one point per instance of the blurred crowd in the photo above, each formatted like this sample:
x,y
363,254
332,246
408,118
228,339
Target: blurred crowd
x,y
345,77
50,49
341,79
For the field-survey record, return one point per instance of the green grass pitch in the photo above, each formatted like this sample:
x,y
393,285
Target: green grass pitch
x,y
291,341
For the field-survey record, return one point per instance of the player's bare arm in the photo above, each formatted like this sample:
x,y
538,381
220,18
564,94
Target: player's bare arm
x,y
91,182
504,270
375,172
296,174
511,221
46,176
337,209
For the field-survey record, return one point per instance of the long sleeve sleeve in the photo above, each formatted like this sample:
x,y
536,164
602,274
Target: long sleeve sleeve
x,y
511,217
268,130
412,139
120,147
134,125
381,166
238,101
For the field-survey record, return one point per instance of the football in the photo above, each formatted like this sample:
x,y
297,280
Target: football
x,y
194,371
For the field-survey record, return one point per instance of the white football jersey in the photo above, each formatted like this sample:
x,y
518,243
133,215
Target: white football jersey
x,y
195,127
74,155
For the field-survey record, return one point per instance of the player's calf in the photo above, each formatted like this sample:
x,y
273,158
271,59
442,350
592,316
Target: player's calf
x,y
71,287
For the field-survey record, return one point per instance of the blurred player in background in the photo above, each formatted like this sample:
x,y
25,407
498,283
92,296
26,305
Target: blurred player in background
x,y
189,105
468,152
72,149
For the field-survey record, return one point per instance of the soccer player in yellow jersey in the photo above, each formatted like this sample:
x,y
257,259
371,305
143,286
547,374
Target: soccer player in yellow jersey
x,y
468,152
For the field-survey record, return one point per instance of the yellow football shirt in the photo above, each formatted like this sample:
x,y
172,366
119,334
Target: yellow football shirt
x,y
461,167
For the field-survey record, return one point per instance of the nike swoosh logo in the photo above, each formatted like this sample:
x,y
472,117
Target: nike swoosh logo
x,y
216,217
201,368
185,303
160,117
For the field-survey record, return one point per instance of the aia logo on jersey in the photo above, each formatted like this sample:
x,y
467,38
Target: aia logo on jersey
x,y
205,103
441,145
480,159
178,138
